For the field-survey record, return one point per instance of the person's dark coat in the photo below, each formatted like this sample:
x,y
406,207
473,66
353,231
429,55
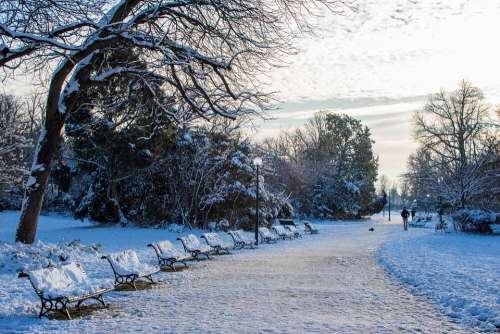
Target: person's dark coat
x,y
405,213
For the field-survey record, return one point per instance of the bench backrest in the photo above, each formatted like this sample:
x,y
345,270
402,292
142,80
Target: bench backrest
x,y
213,239
64,281
243,236
280,230
286,221
264,231
236,236
167,250
191,242
125,263
309,226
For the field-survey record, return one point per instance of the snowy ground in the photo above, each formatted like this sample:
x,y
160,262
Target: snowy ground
x,y
459,272
327,283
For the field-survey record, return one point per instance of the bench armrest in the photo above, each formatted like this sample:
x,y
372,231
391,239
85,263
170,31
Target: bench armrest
x,y
22,274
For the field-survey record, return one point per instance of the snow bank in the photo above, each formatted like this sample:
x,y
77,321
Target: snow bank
x,y
61,240
458,272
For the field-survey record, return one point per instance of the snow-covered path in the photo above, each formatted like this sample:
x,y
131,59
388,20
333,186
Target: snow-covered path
x,y
329,283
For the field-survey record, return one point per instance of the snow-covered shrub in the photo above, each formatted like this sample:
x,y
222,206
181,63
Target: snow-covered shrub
x,y
194,176
17,257
468,220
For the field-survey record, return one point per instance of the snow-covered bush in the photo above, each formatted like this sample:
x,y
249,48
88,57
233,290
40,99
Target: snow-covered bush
x,y
21,257
467,220
193,176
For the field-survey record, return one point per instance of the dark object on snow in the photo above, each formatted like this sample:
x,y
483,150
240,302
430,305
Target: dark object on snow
x,y
371,229
60,303
405,214
309,228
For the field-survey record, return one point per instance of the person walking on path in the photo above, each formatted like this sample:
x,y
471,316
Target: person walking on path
x,y
405,214
413,212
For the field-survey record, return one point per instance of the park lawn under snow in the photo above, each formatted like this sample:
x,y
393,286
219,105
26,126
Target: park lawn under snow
x,y
459,272
62,237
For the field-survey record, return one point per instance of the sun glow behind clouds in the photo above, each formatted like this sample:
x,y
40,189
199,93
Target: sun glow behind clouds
x,y
396,49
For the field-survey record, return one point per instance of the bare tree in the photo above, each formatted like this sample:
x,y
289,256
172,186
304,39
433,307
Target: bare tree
x,y
382,183
456,141
205,54
13,140
19,125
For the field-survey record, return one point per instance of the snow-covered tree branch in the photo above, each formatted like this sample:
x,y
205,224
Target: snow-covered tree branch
x,y
204,54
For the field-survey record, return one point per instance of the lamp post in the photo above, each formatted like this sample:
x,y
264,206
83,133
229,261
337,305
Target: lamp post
x,y
257,162
427,204
389,205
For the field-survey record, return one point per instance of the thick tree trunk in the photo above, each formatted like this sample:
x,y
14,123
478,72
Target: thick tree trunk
x,y
42,161
54,121
38,180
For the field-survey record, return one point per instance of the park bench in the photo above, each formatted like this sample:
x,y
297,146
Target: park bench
x,y
286,221
417,223
310,228
266,235
168,255
282,233
215,242
60,287
240,241
128,269
441,226
296,233
420,221
193,246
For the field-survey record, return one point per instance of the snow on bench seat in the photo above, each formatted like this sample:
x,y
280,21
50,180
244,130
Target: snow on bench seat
x,y
168,254
266,235
66,281
282,233
296,233
240,239
193,246
127,263
168,250
215,242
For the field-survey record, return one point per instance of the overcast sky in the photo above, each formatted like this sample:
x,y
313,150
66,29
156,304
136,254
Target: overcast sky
x,y
380,63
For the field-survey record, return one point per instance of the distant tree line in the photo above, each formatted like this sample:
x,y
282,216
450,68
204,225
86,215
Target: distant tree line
x,y
132,166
